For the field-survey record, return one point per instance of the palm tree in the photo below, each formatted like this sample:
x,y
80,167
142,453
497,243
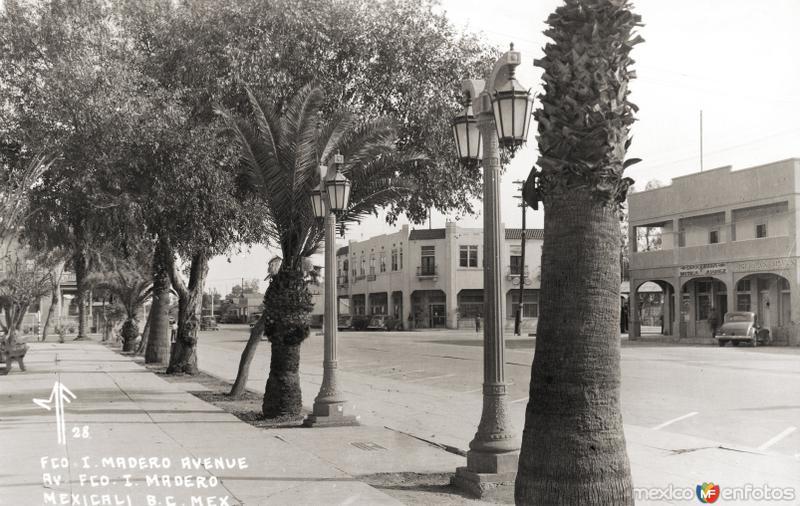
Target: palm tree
x,y
573,445
129,282
281,152
237,390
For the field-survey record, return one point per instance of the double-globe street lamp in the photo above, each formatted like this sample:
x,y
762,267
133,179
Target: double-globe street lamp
x,y
497,113
329,198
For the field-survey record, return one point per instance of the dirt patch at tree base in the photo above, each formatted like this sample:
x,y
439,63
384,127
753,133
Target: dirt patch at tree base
x,y
422,488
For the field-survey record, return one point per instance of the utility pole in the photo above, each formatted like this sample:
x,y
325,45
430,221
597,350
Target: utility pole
x,y
701,140
518,316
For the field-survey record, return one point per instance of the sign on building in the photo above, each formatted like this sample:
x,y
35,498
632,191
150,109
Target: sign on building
x,y
703,270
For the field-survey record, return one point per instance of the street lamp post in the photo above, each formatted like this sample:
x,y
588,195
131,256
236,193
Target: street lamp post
x,y
503,109
330,197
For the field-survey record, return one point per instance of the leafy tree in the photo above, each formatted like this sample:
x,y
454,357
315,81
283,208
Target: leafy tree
x,y
67,90
281,150
25,282
19,172
573,446
398,58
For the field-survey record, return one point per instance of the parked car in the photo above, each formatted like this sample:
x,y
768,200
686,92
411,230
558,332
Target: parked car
x,y
377,322
208,323
742,327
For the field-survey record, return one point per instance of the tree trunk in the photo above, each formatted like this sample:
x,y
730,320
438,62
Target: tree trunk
x,y
129,332
79,262
184,360
282,396
11,327
53,302
145,333
573,445
247,356
158,344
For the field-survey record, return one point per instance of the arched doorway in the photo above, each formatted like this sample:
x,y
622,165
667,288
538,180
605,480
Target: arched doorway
x,y
653,302
769,296
704,302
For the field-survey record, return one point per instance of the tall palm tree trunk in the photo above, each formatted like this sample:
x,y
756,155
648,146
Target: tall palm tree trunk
x,y
238,388
282,396
158,342
573,446
129,332
287,306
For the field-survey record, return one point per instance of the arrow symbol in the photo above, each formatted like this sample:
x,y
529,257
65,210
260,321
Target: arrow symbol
x,y
58,395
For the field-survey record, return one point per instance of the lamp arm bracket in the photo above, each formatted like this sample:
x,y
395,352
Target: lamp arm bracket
x,y
500,75
503,69
472,87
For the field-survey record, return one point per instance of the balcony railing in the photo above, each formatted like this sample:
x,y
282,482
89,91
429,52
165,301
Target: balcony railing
x,y
514,271
427,271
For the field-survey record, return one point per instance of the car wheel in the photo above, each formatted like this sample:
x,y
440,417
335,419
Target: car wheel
x,y
722,343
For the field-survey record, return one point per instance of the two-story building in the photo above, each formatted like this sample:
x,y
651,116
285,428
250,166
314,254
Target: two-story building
x,y
728,241
433,278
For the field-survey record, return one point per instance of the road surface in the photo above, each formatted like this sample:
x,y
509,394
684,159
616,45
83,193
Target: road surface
x,y
429,383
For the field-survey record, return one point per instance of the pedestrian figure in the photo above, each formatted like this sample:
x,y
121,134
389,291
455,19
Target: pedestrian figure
x,y
623,319
713,320
477,323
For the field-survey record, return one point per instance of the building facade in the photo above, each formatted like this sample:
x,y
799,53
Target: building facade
x,y
433,278
726,241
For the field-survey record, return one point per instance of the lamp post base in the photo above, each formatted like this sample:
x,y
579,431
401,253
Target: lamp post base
x,y
488,475
330,415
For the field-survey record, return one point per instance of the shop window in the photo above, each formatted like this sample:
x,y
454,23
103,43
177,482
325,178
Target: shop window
x,y
468,256
761,230
743,302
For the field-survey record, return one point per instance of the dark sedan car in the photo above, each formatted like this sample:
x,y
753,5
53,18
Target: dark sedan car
x,y
742,327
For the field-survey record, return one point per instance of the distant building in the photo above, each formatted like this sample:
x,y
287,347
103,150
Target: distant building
x,y
433,278
727,241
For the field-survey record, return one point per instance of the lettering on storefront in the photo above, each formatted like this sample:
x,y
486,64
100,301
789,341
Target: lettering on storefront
x,y
764,265
703,270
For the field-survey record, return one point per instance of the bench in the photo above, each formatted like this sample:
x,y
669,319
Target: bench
x,y
10,355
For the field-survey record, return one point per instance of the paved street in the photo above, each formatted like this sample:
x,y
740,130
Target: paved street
x,y
742,398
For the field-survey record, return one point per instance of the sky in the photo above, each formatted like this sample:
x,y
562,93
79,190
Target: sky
x,y
736,60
